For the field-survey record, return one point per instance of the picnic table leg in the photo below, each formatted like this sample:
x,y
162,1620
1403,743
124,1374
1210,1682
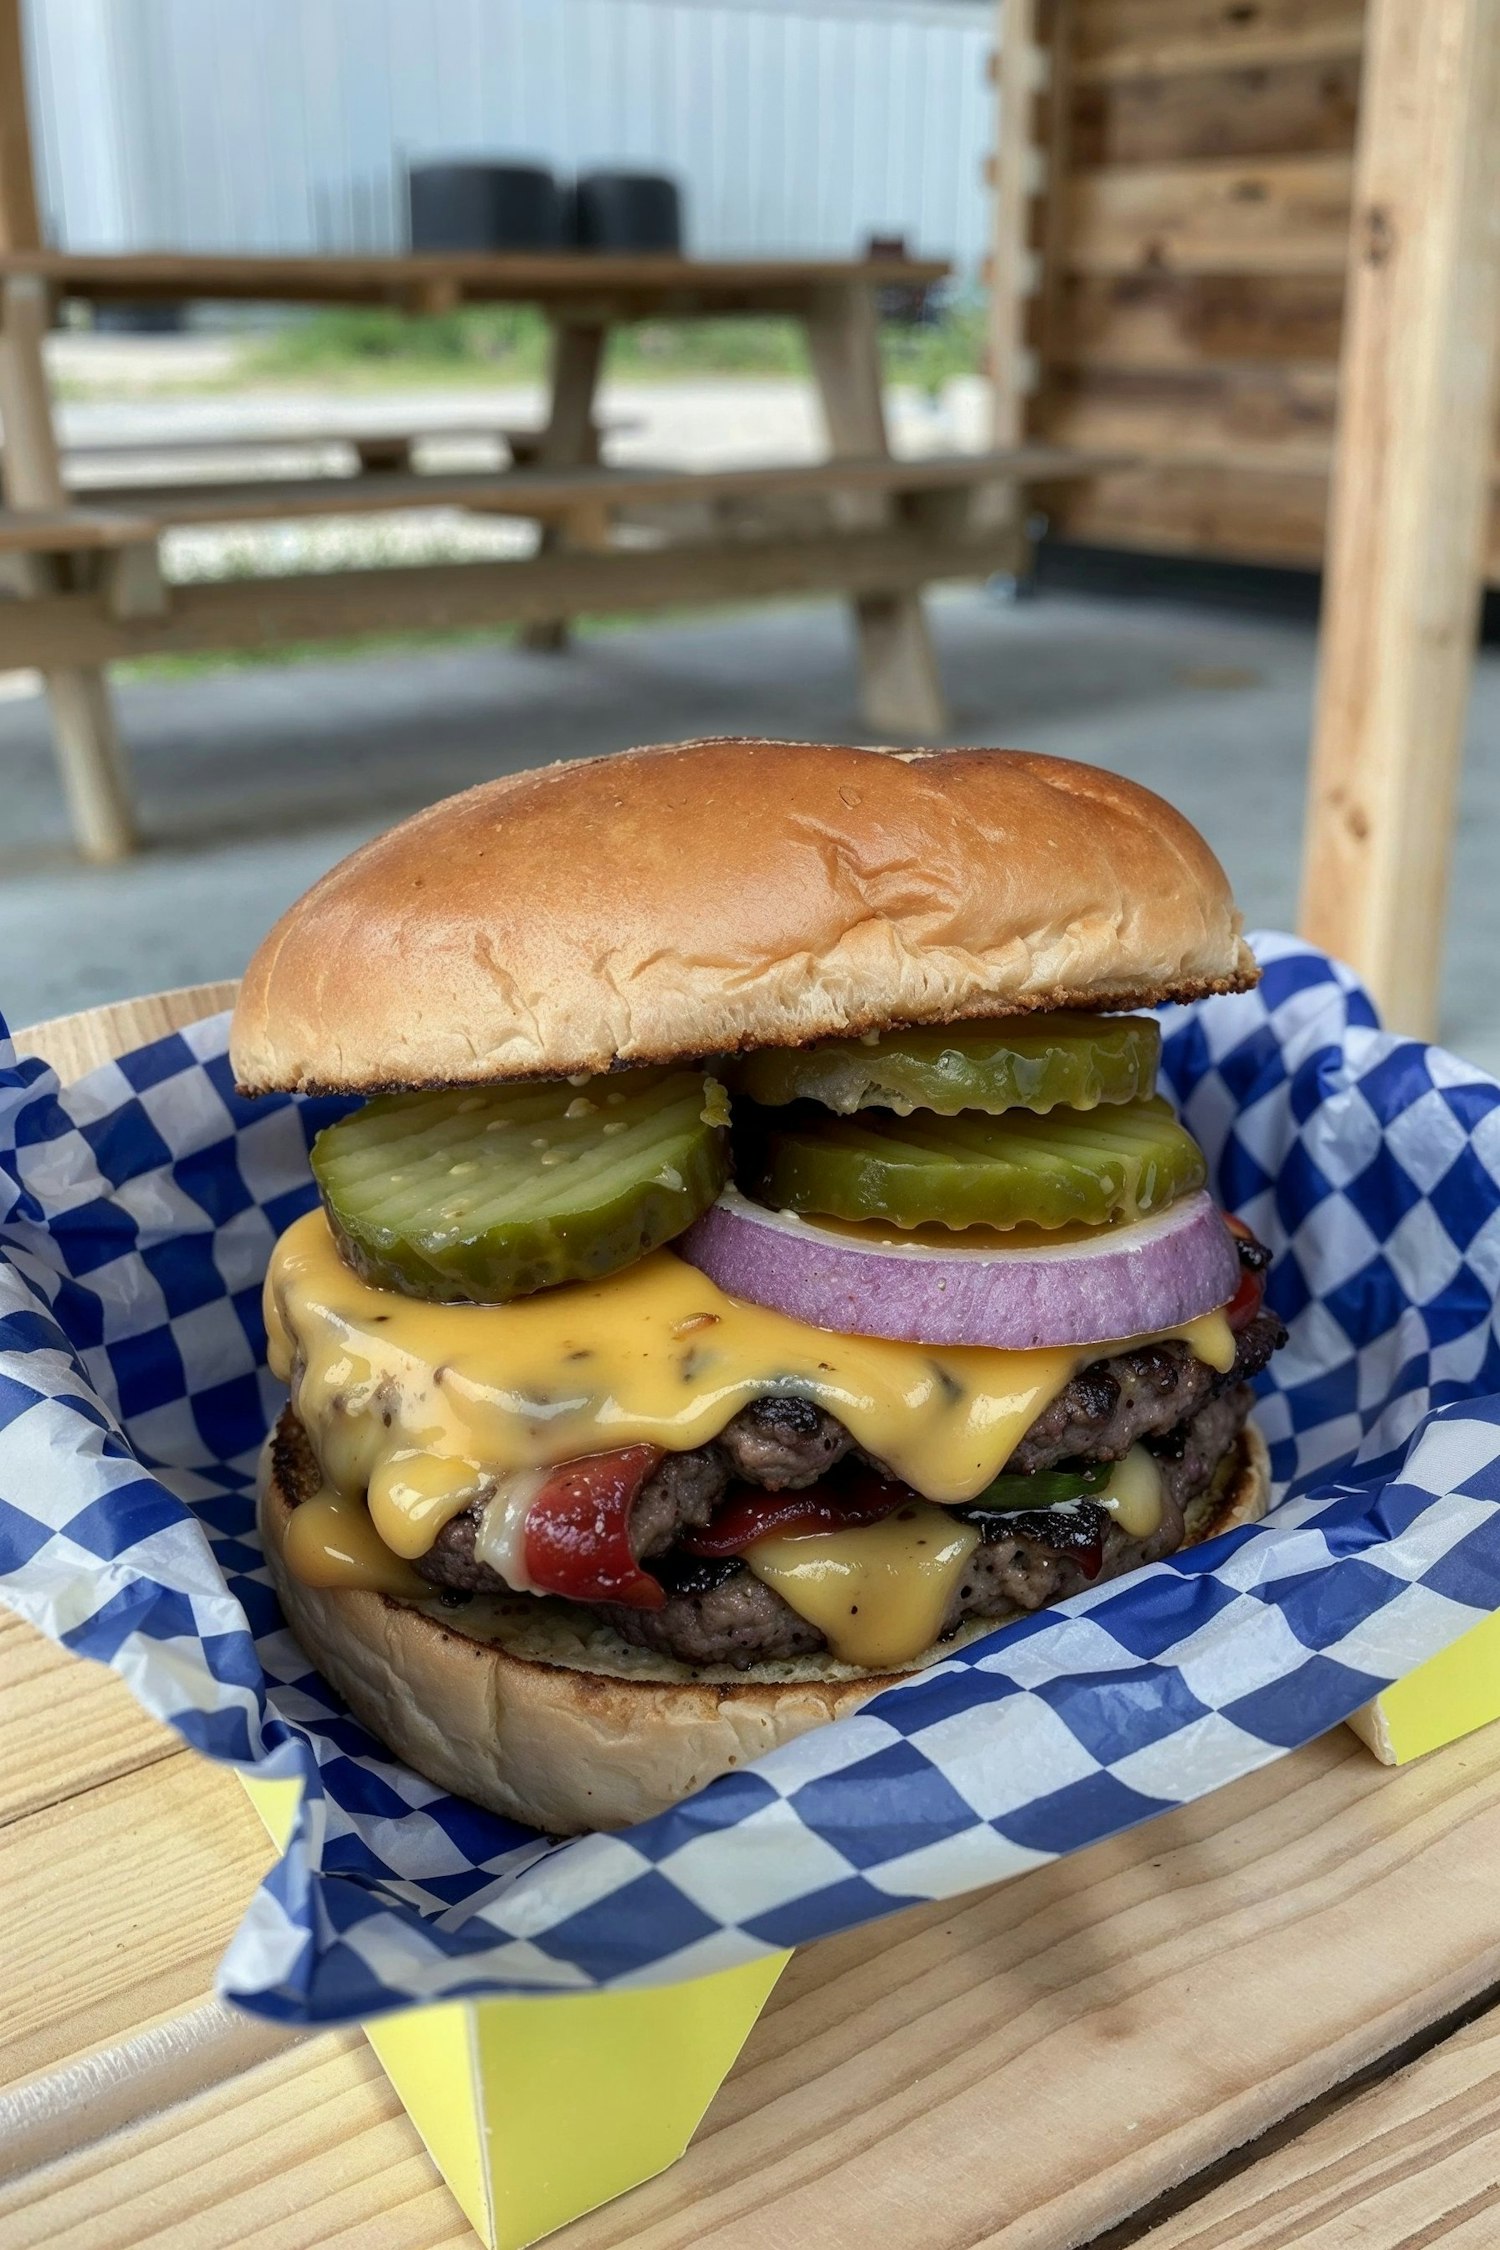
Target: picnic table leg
x,y
568,442
87,747
902,694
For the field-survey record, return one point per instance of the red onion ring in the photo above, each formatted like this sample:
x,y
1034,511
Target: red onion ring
x,y
1130,1281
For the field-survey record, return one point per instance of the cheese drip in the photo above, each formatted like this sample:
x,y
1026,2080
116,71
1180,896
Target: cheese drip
x,y
878,1595
429,1407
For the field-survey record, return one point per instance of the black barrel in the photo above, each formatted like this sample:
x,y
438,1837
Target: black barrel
x,y
477,205
628,211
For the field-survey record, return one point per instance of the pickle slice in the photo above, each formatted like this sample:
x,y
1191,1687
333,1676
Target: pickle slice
x,y
1113,1163
481,1194
1039,1063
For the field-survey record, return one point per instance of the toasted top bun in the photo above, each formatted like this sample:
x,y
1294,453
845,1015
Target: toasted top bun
x,y
705,897
541,1711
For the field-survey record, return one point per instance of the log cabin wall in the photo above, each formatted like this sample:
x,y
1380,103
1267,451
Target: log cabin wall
x,y
1191,220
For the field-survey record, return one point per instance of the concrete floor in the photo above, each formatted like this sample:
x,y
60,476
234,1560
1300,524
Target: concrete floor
x,y
250,782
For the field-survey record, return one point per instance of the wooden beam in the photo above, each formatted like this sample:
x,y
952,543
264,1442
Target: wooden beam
x,y
76,628
570,441
1407,523
595,285
546,491
1274,214
1127,39
901,694
83,728
20,224
1011,268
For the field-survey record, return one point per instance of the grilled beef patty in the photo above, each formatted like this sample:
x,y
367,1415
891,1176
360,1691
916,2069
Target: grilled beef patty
x,y
718,1612
787,1444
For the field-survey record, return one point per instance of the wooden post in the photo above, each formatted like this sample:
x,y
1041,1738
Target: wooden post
x,y
1010,269
20,227
83,728
569,442
1410,494
902,694
1032,77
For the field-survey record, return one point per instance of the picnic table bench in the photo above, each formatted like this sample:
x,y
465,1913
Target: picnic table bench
x,y
376,445
863,524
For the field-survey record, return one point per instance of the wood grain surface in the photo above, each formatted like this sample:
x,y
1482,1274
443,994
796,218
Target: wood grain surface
x,y
1119,40
1411,2163
1407,525
1281,214
1023,2067
94,1729
120,1901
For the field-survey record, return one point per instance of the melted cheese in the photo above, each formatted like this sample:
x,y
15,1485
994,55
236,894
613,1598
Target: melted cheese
x,y
429,1407
1133,1494
879,1595
331,1541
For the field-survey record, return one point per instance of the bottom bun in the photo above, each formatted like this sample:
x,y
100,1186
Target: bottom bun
x,y
537,1710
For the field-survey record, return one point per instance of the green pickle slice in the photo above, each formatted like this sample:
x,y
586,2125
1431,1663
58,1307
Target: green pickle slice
x,y
481,1194
1110,1164
1039,1063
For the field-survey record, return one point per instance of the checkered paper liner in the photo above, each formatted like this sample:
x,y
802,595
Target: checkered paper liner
x,y
137,1212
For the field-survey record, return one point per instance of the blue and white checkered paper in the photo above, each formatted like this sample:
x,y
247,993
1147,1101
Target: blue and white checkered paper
x,y
137,1211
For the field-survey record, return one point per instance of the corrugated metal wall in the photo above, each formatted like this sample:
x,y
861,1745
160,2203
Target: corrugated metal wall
x,y
795,125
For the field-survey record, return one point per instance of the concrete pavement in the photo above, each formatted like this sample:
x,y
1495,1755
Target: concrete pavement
x,y
251,781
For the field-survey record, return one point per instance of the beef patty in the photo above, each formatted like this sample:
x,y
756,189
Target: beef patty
x,y
787,1444
718,1612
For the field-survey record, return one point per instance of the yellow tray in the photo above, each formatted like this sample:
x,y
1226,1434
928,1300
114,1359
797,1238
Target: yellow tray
x,y
537,2110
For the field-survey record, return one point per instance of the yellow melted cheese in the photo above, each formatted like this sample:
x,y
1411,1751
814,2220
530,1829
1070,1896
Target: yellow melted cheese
x,y
878,1595
427,1408
331,1541
1133,1494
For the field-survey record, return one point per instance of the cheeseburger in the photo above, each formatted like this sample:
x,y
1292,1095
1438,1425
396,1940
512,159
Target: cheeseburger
x,y
759,1260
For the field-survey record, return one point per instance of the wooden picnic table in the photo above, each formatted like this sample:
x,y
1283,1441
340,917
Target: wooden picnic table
x,y
878,532
1265,2022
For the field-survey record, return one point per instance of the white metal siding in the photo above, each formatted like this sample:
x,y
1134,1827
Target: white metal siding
x,y
794,125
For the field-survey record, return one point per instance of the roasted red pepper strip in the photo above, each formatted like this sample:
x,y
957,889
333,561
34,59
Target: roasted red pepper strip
x,y
577,1538
748,1514
1248,1298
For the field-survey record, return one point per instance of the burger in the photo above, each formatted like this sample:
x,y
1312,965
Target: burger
x,y
756,1260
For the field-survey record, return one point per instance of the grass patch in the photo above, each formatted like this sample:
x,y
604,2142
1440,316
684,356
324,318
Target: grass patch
x,y
379,349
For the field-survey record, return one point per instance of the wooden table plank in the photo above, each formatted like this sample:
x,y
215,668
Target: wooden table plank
x,y
47,531
1413,2162
91,1726
450,276
420,597
1031,2065
1019,2069
311,2148
551,492
118,1906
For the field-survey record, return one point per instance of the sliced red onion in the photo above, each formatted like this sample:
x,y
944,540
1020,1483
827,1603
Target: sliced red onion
x,y
1129,1281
